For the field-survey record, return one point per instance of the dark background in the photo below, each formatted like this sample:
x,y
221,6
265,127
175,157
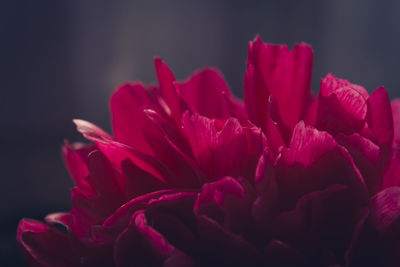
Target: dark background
x,y
62,59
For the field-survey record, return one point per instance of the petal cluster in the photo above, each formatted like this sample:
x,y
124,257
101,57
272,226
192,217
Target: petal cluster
x,y
193,176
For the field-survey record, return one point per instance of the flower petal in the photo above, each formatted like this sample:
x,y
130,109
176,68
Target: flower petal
x,y
313,162
166,80
380,118
229,196
396,118
342,106
205,92
282,73
117,152
385,210
140,245
74,158
365,154
127,115
43,245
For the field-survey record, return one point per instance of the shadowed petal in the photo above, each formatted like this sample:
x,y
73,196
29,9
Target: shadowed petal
x,y
380,118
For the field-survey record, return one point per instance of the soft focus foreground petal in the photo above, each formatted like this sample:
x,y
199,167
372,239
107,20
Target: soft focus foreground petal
x,y
126,106
342,106
205,93
43,245
380,118
313,162
63,218
396,119
284,74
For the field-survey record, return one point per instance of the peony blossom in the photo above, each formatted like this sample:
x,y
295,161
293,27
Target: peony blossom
x,y
193,176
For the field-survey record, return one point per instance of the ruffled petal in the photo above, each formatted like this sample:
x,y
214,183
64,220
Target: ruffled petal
x,y
312,162
342,106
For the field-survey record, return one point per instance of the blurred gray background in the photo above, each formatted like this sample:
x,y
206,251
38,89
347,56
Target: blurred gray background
x,y
62,59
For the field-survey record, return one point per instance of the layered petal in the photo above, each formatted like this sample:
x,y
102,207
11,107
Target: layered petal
x,y
275,71
342,106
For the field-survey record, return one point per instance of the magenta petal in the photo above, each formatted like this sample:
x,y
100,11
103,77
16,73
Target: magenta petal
x,y
282,73
166,80
223,148
391,175
231,150
232,197
117,152
396,118
75,163
202,136
312,163
385,210
204,92
380,118
256,101
307,145
140,245
120,218
43,245
172,216
166,145
104,179
90,209
267,190
342,106
139,182
127,115
365,154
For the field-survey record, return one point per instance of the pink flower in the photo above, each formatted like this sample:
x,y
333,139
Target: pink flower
x,y
192,177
